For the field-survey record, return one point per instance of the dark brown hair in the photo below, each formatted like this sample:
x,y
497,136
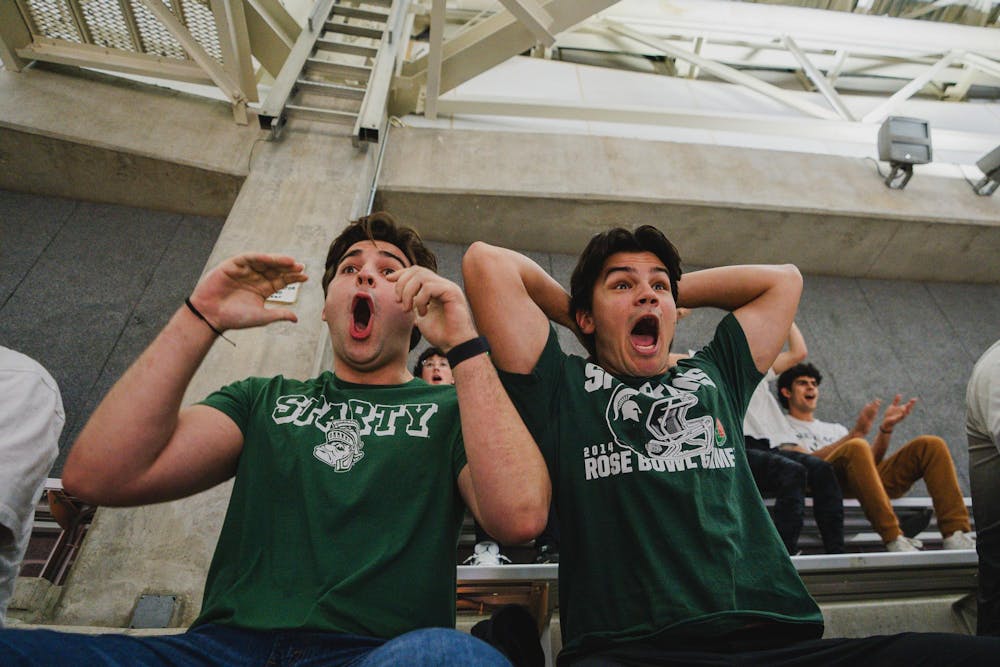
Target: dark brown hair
x,y
380,226
588,268
786,379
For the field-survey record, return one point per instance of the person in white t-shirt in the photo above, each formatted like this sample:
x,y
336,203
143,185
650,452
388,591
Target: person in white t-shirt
x,y
775,469
864,470
31,420
787,475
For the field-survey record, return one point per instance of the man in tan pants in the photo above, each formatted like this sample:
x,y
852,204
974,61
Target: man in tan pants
x,y
864,470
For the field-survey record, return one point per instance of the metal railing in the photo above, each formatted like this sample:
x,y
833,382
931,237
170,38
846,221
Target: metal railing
x,y
197,41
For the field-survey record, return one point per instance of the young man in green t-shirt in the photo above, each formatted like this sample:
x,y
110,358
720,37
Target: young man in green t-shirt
x,y
668,555
338,545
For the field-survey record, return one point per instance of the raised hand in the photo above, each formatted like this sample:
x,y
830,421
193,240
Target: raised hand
x,y
896,412
866,417
232,295
442,313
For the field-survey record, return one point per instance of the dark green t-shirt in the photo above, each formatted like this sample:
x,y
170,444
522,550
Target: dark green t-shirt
x,y
663,534
345,511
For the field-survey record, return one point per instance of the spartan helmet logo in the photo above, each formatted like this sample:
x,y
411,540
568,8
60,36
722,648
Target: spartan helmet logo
x,y
660,424
343,445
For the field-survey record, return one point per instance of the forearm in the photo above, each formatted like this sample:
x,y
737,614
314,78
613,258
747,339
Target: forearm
x,y
762,297
732,287
512,300
494,266
135,421
881,444
510,481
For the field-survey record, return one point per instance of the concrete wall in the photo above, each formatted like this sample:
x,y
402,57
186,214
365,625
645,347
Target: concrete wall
x,y
829,215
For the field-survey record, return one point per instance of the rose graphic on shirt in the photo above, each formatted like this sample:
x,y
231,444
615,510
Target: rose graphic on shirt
x,y
343,445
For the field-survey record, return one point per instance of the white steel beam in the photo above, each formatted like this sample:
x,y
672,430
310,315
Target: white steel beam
x,y
991,67
220,77
284,82
727,73
473,51
912,88
812,28
98,57
817,78
234,42
807,128
692,68
434,58
277,19
536,19
372,117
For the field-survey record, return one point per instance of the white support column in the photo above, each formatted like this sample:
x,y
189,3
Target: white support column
x,y
692,68
727,73
817,78
434,59
879,113
206,62
838,66
536,19
234,42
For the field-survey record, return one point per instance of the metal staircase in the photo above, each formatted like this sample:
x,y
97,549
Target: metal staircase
x,y
340,68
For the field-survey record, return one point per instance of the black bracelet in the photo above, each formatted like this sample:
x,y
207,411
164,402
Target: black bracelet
x,y
466,350
205,320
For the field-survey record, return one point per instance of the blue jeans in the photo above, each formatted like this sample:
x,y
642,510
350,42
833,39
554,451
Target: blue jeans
x,y
219,645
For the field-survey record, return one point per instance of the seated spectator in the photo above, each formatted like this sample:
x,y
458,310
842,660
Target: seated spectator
x,y
31,420
338,543
788,474
863,469
785,475
982,426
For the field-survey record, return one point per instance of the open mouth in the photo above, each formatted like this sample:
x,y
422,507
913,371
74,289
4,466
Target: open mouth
x,y
361,316
645,334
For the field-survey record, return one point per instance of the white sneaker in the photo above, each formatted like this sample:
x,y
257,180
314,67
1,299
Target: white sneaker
x,y
904,543
959,540
486,553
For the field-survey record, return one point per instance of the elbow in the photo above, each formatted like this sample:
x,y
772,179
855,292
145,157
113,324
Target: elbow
x,y
522,523
79,485
478,256
792,276
521,528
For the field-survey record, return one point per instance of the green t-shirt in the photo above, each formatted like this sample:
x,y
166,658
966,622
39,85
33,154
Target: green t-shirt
x,y
345,511
663,533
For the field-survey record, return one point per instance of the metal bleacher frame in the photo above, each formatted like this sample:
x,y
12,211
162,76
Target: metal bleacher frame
x,y
866,574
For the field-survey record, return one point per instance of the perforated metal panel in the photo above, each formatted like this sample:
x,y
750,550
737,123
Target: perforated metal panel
x,y
106,23
109,25
201,22
156,39
54,18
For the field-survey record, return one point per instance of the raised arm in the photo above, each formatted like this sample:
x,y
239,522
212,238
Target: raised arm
x,y
762,297
139,446
796,352
513,300
505,483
